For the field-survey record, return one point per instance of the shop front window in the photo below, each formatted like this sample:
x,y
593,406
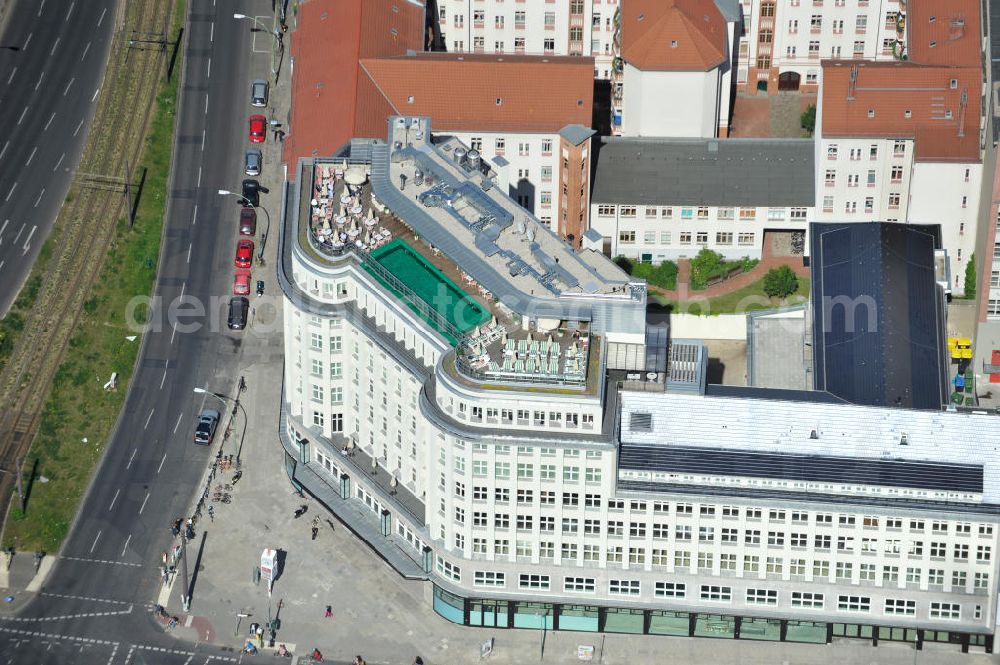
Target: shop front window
x,y
450,606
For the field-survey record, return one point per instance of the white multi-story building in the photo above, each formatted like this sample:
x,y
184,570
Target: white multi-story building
x,y
785,40
567,27
528,456
669,51
900,142
660,199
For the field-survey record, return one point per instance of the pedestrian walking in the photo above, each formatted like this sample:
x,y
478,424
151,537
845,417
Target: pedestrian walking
x,y
329,612
211,512
315,531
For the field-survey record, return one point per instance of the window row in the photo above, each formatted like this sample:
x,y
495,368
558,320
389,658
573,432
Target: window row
x,y
701,212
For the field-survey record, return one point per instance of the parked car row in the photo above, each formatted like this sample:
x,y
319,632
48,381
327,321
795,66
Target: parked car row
x,y
253,165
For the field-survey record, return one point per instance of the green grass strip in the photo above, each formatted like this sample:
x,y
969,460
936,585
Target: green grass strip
x,y
78,408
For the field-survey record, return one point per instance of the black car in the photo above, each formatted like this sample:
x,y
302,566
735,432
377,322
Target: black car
x,y
251,191
238,309
205,430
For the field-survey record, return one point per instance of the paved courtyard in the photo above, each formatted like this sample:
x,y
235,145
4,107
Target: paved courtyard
x,y
776,116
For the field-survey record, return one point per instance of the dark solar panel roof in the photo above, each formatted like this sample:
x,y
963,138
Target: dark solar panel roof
x,y
753,392
878,315
811,468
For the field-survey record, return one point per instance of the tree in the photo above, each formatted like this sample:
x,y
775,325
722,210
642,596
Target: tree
x,y
970,277
780,282
808,119
703,266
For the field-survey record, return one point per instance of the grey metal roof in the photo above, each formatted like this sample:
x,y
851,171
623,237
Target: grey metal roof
x,y
714,172
730,10
576,134
796,466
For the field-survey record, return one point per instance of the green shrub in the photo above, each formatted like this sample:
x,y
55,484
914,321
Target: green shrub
x,y
780,282
970,277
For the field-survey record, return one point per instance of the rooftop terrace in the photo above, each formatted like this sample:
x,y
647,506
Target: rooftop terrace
x,y
442,195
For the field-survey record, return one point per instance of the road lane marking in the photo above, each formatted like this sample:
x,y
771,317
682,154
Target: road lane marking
x,y
117,492
189,252
27,41
179,416
27,243
41,7
32,155
3,228
70,11
5,146
163,380
194,217
209,75
202,140
173,334
134,451
19,120
126,544
95,95
78,127
13,187
95,542
55,45
206,103
143,506
85,51
39,199
19,232
149,417
199,176
51,118
61,157
40,77
211,32
161,463
68,85
11,77
101,20
1,264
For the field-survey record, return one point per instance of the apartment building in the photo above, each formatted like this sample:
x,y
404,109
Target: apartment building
x,y
540,27
528,117
665,199
786,40
666,51
903,141
518,449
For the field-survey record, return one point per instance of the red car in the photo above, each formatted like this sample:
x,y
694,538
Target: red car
x,y
258,128
241,285
248,222
244,253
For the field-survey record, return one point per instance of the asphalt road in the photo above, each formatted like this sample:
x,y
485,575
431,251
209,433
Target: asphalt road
x,y
152,468
47,98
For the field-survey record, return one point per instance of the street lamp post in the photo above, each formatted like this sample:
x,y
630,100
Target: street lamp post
x,y
267,229
225,399
278,47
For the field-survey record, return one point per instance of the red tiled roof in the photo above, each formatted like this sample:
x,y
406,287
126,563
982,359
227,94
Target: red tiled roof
x,y
943,118
330,37
473,92
672,35
944,32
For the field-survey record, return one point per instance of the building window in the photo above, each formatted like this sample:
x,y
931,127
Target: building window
x,y
670,590
807,600
854,603
531,581
624,587
716,593
762,597
903,607
626,237
951,611
745,239
579,584
489,578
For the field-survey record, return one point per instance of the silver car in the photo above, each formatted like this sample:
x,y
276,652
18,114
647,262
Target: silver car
x,y
258,93
253,162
